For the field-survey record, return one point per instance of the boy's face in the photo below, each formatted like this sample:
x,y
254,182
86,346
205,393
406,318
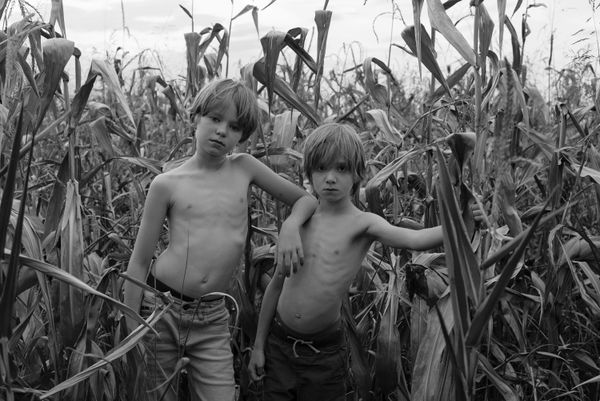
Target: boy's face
x,y
333,183
218,131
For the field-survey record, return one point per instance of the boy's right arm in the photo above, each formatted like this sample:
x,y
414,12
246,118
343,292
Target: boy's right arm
x,y
153,216
267,311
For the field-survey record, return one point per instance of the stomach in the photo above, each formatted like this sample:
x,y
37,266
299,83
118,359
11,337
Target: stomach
x,y
203,265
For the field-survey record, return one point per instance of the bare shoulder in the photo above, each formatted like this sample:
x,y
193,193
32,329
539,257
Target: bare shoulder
x,y
243,160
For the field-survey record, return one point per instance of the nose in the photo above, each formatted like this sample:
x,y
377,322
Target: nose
x,y
330,177
222,129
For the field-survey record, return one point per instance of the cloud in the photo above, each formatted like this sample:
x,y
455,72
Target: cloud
x,y
155,19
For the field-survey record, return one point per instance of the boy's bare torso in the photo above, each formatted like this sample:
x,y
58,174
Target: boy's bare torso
x,y
334,247
207,218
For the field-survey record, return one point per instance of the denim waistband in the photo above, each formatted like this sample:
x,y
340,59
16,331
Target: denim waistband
x,y
162,287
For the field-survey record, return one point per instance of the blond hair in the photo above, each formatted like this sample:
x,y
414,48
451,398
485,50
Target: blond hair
x,y
329,143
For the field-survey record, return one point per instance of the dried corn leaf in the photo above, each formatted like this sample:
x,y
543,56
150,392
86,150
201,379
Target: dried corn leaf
x,y
57,14
192,43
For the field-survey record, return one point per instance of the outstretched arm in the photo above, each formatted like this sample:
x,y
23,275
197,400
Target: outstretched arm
x,y
267,311
289,247
398,237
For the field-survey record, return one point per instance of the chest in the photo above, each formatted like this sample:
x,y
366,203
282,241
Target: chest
x,y
209,196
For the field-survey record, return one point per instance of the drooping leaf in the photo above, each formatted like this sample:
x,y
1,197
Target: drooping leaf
x,y
428,56
377,91
272,44
185,10
285,92
516,46
442,23
109,76
390,133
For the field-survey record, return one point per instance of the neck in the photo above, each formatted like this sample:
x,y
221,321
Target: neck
x,y
339,207
208,161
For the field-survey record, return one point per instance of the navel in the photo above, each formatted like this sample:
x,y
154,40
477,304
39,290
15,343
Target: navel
x,y
298,316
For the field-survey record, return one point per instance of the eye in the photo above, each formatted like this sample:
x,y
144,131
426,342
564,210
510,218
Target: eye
x,y
321,167
342,168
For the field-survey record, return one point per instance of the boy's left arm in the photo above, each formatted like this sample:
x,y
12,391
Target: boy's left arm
x,y
289,246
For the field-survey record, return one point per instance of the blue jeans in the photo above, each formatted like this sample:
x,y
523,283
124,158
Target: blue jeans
x,y
304,367
198,330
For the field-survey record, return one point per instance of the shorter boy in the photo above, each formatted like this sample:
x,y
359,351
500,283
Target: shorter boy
x,y
305,349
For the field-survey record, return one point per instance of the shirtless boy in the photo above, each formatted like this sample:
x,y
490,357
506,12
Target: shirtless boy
x,y
300,332
205,203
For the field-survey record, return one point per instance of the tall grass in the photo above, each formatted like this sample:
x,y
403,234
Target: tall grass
x,y
507,311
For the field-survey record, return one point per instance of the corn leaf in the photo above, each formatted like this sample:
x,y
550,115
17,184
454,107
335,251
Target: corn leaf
x,y
390,133
323,22
71,305
507,392
130,342
417,8
484,311
7,297
428,367
285,127
57,14
192,43
501,17
282,89
109,76
441,22
57,53
428,56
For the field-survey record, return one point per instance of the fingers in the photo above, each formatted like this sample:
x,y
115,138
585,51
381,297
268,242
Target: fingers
x,y
256,372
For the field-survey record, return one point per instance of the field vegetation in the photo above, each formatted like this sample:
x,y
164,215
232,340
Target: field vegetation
x,y
507,310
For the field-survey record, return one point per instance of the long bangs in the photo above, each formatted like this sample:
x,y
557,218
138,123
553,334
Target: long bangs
x,y
218,94
329,143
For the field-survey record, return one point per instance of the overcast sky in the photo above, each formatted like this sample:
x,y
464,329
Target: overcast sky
x,y
97,27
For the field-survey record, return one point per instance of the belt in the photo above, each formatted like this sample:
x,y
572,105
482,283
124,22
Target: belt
x,y
162,287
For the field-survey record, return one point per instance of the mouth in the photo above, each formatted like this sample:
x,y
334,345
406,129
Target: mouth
x,y
217,142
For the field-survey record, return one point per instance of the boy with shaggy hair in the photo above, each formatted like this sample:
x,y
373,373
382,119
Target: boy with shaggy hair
x,y
205,203
300,345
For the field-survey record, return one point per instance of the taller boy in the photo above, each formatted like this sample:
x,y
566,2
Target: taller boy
x,y
205,203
